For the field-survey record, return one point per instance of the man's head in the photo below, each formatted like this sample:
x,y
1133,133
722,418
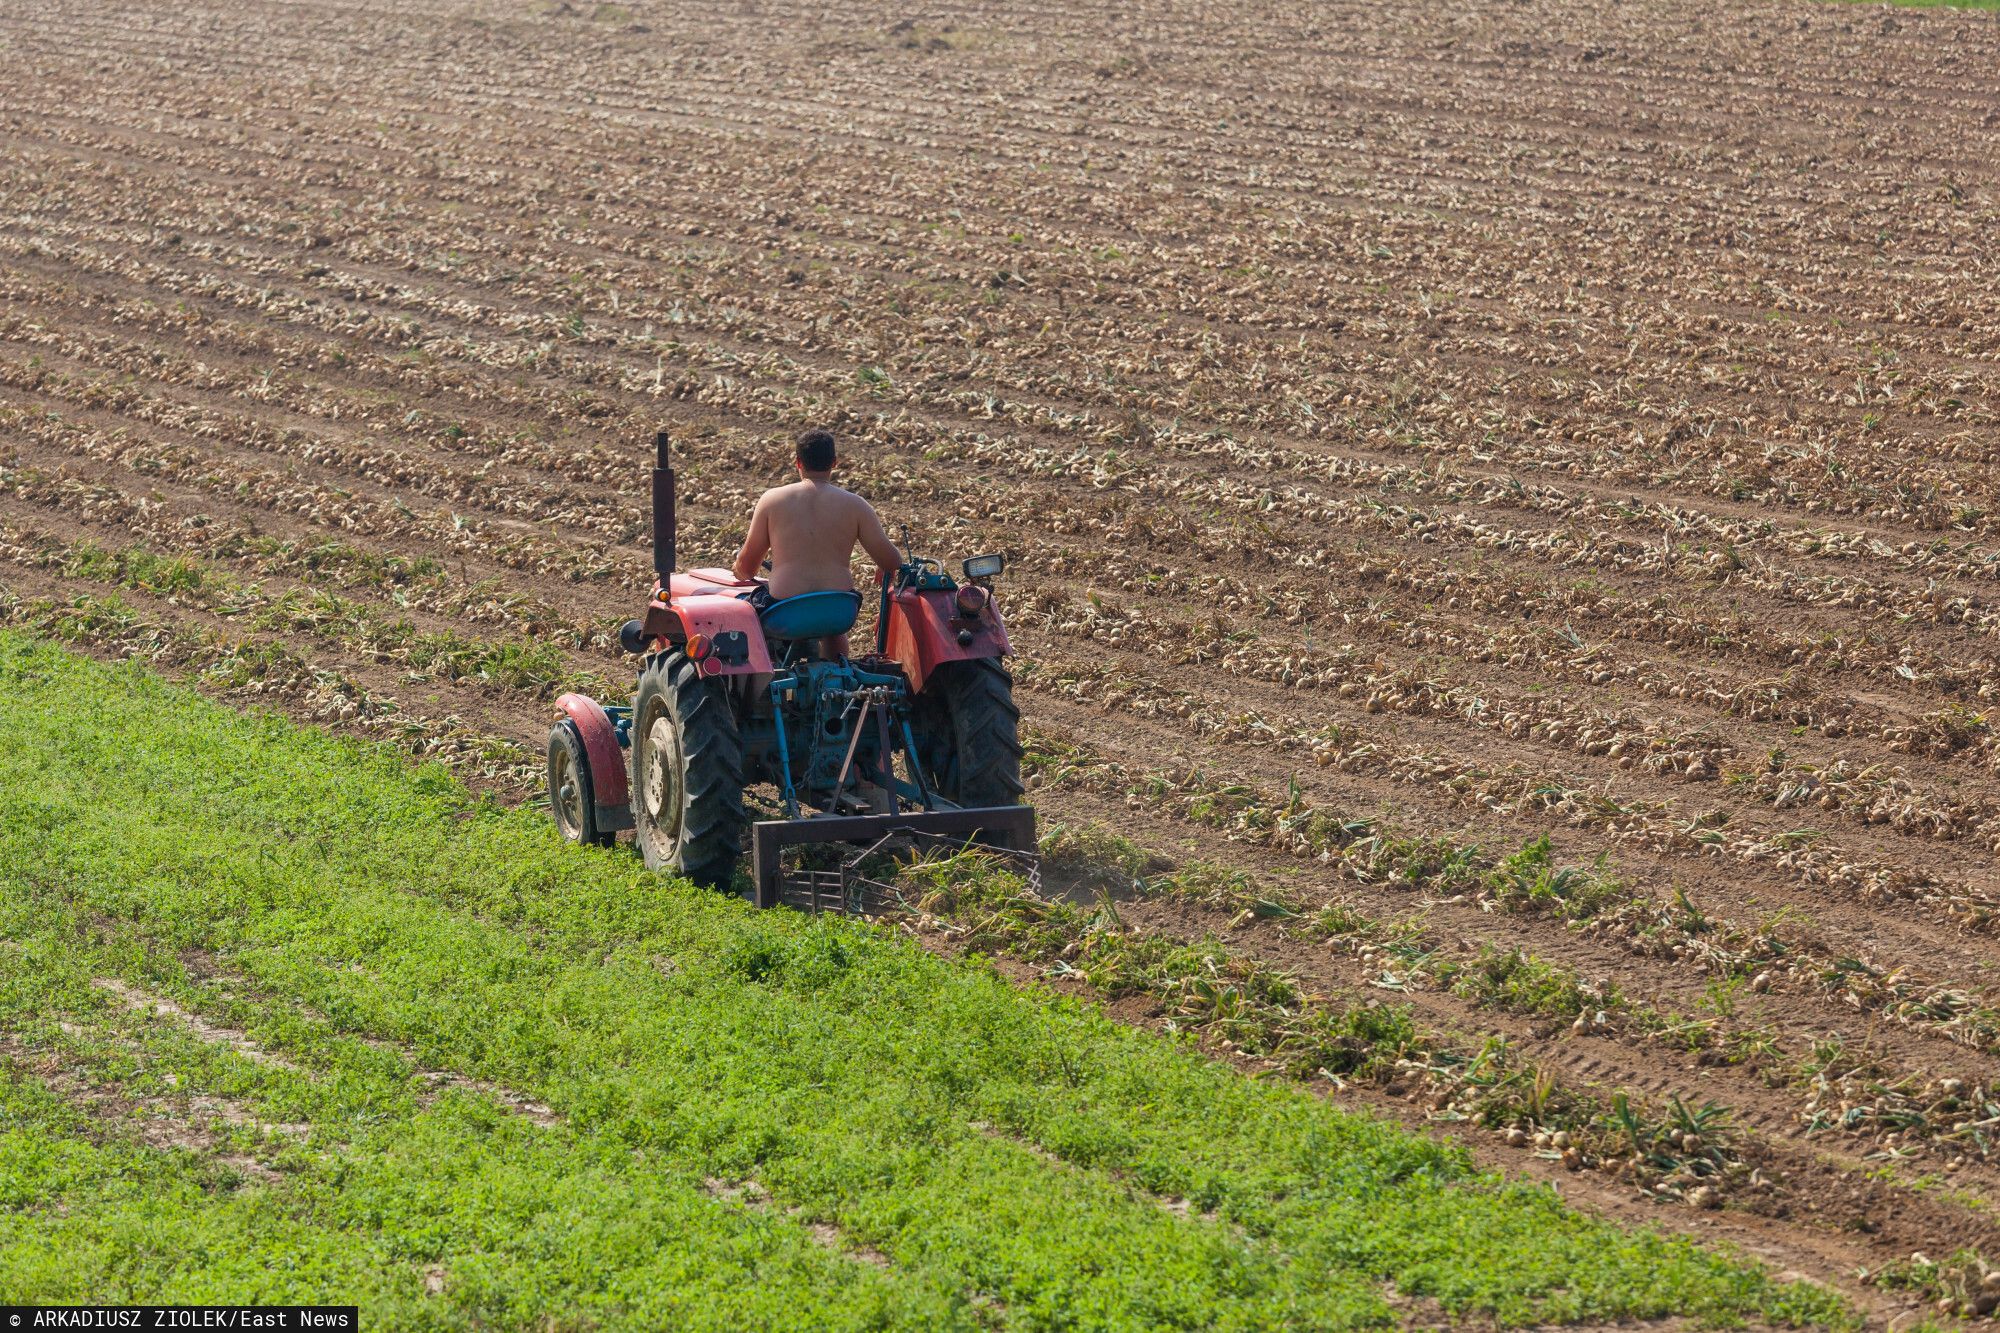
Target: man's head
x,y
816,455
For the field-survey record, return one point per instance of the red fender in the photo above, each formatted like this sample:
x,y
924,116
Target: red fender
x,y
736,645
924,629
698,606
608,783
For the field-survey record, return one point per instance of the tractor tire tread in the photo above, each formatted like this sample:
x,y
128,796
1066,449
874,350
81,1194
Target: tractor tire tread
x,y
564,735
713,813
985,731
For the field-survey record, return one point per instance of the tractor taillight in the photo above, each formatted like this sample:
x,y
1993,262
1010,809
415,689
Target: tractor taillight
x,y
971,601
696,648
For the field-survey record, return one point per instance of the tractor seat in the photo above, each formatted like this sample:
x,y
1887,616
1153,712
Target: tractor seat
x,y
811,615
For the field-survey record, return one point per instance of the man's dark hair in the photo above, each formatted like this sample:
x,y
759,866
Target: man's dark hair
x,y
816,451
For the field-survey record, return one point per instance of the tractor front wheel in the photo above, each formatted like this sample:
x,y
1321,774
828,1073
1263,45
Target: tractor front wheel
x,y
971,739
572,794
687,774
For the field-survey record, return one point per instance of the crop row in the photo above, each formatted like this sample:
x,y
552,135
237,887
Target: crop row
x,y
1803,854
1732,534
534,666
1807,469
1650,515
1874,793
1242,1005
363,619
1902,668
1897,807
407,582
1841,1088
270,673
360,628
1367,851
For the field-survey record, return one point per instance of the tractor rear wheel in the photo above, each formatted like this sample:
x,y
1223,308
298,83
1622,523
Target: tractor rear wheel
x,y
572,794
971,739
687,774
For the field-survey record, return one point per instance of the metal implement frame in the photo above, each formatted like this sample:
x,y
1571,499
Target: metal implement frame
x,y
1007,826
849,889
879,694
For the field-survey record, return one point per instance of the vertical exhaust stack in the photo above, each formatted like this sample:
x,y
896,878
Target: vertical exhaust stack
x,y
663,508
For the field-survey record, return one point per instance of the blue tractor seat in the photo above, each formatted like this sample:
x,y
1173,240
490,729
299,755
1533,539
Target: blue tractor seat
x,y
811,615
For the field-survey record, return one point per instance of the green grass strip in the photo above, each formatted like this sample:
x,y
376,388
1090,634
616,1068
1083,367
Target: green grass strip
x,y
855,1076
535,1226
431,1209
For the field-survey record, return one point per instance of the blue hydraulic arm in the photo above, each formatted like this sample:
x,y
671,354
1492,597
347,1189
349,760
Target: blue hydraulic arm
x,y
779,684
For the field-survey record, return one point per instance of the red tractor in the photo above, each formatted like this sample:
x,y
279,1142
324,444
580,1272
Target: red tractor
x,y
918,738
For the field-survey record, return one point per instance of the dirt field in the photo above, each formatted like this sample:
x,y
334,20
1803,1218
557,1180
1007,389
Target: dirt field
x,y
1472,423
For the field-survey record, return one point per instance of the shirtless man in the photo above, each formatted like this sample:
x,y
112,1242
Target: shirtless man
x,y
809,529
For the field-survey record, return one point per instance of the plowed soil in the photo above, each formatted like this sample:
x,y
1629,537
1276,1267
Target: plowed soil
x,y
1486,420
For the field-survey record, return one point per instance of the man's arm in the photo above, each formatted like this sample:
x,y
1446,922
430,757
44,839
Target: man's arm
x,y
875,541
757,544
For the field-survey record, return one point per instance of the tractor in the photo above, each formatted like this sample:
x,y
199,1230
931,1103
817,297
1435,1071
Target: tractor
x,y
917,739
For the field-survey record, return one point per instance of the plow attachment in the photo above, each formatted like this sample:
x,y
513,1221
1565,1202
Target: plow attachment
x,y
850,886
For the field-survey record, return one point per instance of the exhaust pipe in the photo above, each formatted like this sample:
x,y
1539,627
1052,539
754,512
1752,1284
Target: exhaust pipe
x,y
663,508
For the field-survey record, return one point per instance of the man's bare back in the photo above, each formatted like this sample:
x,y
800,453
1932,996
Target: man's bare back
x,y
810,529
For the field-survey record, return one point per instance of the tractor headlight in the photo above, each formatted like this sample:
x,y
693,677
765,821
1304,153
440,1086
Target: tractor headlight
x,y
984,566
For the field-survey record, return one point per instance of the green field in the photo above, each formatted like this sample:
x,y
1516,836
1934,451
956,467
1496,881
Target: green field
x,y
286,1019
